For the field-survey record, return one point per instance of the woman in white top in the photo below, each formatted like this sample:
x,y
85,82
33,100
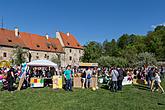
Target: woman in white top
x,y
158,80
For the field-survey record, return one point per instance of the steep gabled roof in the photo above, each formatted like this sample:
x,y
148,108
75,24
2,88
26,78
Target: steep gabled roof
x,y
8,38
31,41
70,41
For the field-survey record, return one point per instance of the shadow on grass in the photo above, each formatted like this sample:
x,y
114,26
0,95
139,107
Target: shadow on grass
x,y
104,87
142,87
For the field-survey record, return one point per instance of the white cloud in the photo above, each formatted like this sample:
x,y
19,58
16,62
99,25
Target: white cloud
x,y
154,26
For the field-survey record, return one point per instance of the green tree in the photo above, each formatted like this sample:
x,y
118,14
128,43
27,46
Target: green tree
x,y
56,59
155,42
107,61
110,48
123,41
145,59
19,55
92,52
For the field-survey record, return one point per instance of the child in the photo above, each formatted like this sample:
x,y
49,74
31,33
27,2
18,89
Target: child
x,y
158,81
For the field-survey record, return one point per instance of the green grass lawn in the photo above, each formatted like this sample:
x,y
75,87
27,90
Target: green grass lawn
x,y
132,98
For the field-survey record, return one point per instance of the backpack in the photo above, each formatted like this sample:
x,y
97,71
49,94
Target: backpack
x,y
88,76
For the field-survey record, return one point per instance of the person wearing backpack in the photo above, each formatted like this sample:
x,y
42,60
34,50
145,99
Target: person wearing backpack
x,y
88,77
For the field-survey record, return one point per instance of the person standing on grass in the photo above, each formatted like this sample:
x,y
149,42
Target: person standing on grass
x,y
114,74
162,72
88,77
151,77
68,74
10,79
120,78
83,77
158,81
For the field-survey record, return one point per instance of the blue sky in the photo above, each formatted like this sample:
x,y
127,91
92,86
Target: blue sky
x,y
88,20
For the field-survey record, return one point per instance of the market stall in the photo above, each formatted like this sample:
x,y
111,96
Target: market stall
x,y
77,82
41,80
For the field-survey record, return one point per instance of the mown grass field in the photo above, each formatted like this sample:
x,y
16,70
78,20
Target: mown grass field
x,y
132,98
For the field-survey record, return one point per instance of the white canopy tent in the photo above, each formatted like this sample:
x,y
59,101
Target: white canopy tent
x,y
42,63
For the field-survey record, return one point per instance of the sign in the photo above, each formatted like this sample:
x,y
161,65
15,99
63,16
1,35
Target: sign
x,y
77,82
37,82
89,64
57,82
127,80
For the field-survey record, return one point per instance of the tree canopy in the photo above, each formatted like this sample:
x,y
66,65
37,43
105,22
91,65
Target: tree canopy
x,y
129,50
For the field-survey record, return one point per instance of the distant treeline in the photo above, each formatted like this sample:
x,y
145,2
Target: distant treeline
x,y
129,50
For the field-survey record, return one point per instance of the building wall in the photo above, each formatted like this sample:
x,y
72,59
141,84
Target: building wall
x,y
72,56
46,56
35,55
8,51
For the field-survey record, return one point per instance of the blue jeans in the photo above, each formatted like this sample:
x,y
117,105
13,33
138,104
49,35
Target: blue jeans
x,y
88,82
114,86
68,85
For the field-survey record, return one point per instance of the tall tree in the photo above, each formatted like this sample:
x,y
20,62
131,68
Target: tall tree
x,y
92,51
19,55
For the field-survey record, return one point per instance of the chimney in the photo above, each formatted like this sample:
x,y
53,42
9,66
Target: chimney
x,y
47,36
68,34
16,31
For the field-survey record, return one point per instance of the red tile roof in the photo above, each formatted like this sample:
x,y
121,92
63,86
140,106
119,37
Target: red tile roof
x,y
70,41
8,38
31,41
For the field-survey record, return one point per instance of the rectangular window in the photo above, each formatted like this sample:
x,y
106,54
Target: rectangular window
x,y
70,50
45,56
70,58
4,54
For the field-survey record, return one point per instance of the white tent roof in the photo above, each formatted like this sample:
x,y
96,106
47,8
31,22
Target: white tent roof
x,y
42,63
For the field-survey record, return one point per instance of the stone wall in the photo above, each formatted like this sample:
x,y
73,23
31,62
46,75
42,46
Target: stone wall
x,y
46,56
72,56
6,50
34,55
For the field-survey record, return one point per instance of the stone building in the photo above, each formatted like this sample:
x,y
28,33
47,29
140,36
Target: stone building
x,y
72,48
64,47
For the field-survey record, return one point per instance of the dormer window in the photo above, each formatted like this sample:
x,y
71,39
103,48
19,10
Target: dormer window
x,y
54,46
78,45
48,45
9,40
38,45
68,43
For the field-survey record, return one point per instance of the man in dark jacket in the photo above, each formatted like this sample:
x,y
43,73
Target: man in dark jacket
x,y
120,78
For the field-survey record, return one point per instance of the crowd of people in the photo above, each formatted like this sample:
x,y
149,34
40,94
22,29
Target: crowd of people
x,y
151,74
10,76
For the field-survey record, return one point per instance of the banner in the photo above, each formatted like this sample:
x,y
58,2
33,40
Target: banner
x,y
37,82
57,82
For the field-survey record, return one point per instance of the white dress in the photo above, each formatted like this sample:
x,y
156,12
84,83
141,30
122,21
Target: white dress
x,y
157,78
